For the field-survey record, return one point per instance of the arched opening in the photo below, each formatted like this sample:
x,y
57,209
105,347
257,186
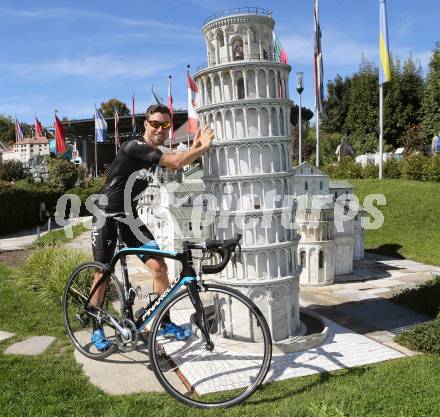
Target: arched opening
x,y
227,85
262,265
243,156
251,85
219,125
229,125
220,38
209,90
272,84
222,162
266,154
240,88
237,48
252,123
274,122
255,159
217,88
239,124
262,83
302,259
264,121
321,259
232,161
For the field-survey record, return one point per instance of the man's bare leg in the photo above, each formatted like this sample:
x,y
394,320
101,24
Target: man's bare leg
x,y
98,296
159,270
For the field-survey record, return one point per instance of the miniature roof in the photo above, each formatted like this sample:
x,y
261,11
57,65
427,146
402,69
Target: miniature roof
x,y
339,184
34,141
317,171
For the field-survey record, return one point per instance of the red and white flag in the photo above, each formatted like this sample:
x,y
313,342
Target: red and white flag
x,y
60,136
170,106
193,117
317,61
18,131
38,128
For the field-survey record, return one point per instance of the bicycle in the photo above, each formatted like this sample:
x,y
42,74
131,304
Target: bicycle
x,y
228,354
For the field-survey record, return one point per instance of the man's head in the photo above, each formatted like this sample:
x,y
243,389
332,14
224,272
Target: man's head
x,y
157,124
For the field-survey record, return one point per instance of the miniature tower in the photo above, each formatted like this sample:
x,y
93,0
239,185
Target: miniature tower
x,y
248,171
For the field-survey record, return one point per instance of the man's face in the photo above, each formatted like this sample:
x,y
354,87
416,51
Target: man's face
x,y
156,136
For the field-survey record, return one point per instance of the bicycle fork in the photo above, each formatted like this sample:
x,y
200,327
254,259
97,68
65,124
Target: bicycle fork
x,y
200,316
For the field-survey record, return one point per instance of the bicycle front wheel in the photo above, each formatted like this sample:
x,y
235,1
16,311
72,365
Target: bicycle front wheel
x,y
224,372
79,320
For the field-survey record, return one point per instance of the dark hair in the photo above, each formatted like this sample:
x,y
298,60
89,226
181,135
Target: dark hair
x,y
157,108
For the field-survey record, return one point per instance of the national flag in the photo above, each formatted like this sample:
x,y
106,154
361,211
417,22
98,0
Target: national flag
x,y
38,128
60,136
193,117
318,65
279,52
100,127
170,106
116,127
133,118
155,96
385,67
18,131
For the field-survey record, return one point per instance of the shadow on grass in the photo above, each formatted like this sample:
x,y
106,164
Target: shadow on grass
x,y
389,249
266,390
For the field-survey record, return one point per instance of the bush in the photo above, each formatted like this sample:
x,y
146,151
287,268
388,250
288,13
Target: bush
x,y
62,174
47,269
20,205
370,170
433,168
346,168
91,187
392,168
423,337
11,170
415,167
425,298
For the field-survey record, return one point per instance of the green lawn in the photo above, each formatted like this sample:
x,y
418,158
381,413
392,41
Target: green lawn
x,y
412,223
53,384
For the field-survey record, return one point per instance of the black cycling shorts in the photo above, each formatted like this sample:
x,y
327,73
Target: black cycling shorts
x,y
104,240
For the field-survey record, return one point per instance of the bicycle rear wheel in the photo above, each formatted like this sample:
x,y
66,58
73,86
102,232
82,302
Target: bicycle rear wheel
x,y
225,373
79,320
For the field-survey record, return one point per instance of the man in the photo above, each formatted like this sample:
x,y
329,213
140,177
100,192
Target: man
x,y
136,160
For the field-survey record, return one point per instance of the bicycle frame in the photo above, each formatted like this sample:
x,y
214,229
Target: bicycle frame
x,y
187,276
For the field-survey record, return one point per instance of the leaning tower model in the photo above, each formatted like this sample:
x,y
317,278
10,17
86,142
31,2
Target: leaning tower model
x,y
248,171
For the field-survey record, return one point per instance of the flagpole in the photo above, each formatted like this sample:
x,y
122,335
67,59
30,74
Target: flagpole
x,y
187,130
317,137
96,150
380,129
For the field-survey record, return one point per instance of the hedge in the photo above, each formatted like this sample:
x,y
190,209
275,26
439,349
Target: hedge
x,y
413,167
20,205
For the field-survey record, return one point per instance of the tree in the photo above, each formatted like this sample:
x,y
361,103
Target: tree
x,y
335,107
108,108
414,139
402,98
363,111
7,130
431,98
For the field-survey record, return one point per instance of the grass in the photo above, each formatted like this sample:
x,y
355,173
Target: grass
x,y
411,226
59,236
53,384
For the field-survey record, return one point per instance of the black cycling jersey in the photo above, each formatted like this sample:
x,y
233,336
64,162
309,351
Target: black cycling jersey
x,y
132,167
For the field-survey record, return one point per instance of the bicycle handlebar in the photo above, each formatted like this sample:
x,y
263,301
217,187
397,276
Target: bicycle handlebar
x,y
223,247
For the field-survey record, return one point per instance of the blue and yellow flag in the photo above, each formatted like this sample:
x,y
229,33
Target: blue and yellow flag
x,y
385,66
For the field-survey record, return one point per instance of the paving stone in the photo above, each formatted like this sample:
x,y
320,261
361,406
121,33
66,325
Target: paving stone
x,y
5,335
34,345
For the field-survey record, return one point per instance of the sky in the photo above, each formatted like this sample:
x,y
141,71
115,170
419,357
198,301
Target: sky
x,y
70,55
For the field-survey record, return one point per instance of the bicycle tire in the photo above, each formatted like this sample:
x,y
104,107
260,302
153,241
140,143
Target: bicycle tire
x,y
179,378
78,324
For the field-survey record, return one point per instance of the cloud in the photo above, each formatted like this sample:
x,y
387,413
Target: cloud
x,y
96,66
73,14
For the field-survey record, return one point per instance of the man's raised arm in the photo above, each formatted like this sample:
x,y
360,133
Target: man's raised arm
x,y
201,143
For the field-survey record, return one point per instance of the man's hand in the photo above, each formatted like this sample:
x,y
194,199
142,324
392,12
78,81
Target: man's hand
x,y
204,140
